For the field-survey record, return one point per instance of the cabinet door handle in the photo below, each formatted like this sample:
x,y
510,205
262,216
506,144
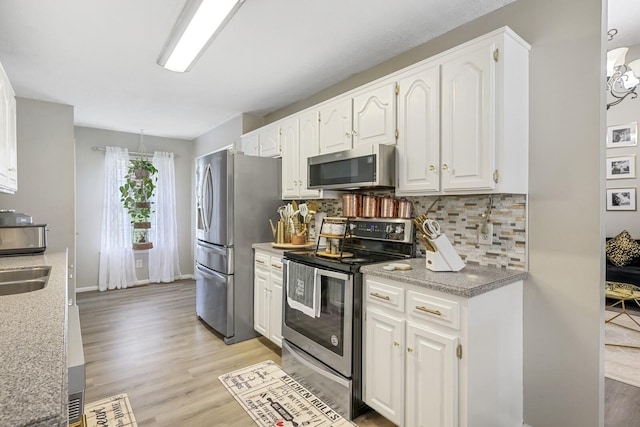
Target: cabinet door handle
x,y
278,266
445,167
347,134
377,295
396,344
409,350
428,310
432,167
259,261
354,132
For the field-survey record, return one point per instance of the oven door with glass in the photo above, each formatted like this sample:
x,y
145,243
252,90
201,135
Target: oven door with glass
x,y
318,314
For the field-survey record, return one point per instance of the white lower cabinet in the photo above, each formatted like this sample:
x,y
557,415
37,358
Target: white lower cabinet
x,y
8,142
267,298
437,360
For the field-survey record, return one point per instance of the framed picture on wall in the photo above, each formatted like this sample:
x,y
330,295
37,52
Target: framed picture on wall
x,y
621,167
622,135
621,199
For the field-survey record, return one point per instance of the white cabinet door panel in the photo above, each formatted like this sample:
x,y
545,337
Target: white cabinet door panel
x,y
290,157
384,365
432,377
374,116
309,145
418,154
275,315
260,302
335,126
468,113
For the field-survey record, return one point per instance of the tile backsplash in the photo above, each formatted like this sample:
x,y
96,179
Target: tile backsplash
x,y
460,218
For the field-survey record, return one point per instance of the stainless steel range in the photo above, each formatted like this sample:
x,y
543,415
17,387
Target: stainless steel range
x,y
322,322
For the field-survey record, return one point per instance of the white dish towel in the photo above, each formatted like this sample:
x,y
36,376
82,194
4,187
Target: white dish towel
x,y
301,289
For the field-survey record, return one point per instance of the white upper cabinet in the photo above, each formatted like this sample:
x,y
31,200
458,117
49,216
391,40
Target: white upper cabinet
x,y
299,139
264,141
483,108
459,119
418,154
309,145
250,145
8,138
469,118
365,117
269,140
374,115
335,125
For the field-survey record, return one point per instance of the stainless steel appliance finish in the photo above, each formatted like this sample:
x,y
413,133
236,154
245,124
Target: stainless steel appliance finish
x,y
11,217
23,239
235,197
75,367
362,167
324,352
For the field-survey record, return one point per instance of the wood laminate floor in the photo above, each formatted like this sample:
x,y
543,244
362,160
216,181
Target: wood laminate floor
x,y
621,401
147,342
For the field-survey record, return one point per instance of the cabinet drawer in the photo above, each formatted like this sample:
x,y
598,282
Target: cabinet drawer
x,y
276,266
384,295
439,310
262,260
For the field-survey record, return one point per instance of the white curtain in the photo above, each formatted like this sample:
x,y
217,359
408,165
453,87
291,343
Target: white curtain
x,y
117,264
164,263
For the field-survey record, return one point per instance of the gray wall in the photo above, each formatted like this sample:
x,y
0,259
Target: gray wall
x,y
563,297
90,191
626,112
46,172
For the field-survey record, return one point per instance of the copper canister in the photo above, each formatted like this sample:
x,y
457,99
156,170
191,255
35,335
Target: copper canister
x,y
405,208
388,207
370,207
351,205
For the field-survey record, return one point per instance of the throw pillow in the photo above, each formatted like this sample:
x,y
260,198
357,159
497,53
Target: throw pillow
x,y
622,250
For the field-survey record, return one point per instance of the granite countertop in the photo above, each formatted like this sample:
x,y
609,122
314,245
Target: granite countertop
x,y
33,373
471,281
266,247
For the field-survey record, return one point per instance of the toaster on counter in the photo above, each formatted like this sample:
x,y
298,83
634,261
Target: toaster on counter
x,y
19,236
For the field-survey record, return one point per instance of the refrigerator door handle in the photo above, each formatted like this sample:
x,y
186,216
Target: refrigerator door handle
x,y
206,190
209,273
212,248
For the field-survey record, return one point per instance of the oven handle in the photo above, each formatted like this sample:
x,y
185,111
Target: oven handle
x,y
320,271
318,370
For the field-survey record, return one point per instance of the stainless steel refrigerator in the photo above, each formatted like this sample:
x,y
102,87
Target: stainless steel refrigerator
x,y
235,197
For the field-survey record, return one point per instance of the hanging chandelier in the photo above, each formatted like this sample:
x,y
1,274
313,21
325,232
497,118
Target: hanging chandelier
x,y
622,78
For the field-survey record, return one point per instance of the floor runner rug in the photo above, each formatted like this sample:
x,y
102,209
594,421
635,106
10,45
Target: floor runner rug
x,y
114,411
273,398
622,363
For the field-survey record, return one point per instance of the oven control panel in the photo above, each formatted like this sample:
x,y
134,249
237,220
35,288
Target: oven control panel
x,y
397,230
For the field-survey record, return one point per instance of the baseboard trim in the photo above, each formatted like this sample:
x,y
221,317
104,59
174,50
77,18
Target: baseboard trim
x,y
138,283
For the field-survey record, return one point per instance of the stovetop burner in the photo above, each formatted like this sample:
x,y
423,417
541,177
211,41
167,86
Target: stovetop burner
x,y
370,241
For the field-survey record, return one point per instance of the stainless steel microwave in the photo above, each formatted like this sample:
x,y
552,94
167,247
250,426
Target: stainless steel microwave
x,y
362,167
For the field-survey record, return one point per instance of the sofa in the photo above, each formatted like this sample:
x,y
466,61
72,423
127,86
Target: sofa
x,y
623,259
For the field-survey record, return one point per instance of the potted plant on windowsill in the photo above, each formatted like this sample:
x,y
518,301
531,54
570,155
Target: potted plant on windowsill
x,y
135,196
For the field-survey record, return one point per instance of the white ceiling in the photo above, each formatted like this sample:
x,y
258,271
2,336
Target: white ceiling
x,y
624,15
100,56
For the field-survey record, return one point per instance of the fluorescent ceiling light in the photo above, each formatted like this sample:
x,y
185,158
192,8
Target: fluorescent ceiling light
x,y
198,24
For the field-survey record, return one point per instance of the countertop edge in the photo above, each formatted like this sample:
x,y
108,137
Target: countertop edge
x,y
470,282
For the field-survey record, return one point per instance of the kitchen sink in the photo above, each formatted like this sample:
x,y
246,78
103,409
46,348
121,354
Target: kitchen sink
x,y
20,280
